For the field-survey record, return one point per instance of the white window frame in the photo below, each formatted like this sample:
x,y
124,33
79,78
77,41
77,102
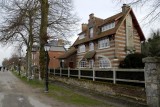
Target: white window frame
x,y
91,63
81,48
81,36
103,43
91,32
108,26
104,63
91,46
83,64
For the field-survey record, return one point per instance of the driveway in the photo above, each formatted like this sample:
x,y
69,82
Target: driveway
x,y
14,93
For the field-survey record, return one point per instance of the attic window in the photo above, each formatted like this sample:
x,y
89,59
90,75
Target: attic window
x,y
81,36
108,26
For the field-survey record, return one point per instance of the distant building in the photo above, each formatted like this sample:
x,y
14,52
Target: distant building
x,y
103,43
55,51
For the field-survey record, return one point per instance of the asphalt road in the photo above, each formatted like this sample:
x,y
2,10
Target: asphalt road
x,y
14,93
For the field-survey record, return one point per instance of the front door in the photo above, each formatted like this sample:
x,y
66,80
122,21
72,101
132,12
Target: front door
x,y
71,64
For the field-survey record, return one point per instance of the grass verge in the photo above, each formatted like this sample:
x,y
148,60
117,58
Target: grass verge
x,y
63,94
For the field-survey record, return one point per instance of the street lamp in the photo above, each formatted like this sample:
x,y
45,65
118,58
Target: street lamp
x,y
46,48
13,65
19,65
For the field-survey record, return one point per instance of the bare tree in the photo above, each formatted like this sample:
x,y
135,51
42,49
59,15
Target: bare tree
x,y
19,26
57,19
28,21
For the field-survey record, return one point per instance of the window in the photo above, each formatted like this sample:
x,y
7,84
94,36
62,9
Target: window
x,y
104,63
91,32
103,43
81,36
91,46
82,48
91,63
82,64
108,26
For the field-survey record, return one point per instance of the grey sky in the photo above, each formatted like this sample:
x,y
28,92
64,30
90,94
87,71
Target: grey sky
x,y
101,9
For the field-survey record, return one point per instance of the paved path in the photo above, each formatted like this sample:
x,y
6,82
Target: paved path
x,y
14,93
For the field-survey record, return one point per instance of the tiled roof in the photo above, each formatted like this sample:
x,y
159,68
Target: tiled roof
x,y
120,17
71,51
101,22
112,18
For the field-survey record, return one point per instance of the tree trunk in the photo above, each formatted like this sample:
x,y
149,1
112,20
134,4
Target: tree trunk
x,y
43,34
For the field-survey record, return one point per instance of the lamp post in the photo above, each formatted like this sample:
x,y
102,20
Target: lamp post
x,y
46,48
13,65
19,65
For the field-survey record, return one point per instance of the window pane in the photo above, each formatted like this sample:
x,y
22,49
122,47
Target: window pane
x,y
91,32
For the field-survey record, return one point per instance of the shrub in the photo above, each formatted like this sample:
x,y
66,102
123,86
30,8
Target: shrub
x,y
132,61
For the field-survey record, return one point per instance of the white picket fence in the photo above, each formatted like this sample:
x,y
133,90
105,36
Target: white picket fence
x,y
93,77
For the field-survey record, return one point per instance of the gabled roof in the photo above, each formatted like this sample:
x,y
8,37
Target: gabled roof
x,y
120,17
70,52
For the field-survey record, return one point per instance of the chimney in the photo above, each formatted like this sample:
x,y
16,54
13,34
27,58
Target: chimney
x,y
84,27
91,16
125,8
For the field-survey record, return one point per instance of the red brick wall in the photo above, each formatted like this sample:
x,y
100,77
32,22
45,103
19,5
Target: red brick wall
x,y
54,61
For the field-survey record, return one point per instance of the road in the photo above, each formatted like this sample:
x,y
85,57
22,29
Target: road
x,y
14,93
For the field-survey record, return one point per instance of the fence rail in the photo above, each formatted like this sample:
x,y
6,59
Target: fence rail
x,y
112,74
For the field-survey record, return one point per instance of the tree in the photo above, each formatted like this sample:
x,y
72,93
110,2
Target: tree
x,y
152,46
24,18
56,18
43,34
19,25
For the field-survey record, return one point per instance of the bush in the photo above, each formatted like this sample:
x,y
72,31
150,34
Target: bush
x,y
133,61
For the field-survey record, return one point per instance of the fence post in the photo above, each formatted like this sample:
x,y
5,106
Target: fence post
x,y
68,71
114,76
54,71
60,72
79,74
93,74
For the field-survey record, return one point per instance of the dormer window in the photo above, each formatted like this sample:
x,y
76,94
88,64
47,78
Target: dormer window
x,y
108,26
81,36
91,32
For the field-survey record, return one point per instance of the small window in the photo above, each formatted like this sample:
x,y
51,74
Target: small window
x,y
108,26
81,48
91,46
82,64
91,32
81,36
104,63
103,43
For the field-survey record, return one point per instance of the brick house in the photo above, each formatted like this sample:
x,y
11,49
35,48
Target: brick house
x,y
56,50
103,43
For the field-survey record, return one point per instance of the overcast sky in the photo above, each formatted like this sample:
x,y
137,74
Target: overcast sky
x,y
101,9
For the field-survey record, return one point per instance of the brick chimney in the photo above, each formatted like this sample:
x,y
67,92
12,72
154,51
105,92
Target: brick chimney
x,y
84,27
125,8
91,16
